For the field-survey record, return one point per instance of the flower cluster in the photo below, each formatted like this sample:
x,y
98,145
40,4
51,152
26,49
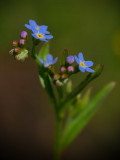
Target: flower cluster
x,y
68,68
72,63
19,51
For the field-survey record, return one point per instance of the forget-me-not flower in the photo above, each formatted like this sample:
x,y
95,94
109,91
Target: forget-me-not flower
x,y
48,61
83,65
39,32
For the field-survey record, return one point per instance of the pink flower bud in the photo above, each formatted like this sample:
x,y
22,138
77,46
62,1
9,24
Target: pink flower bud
x,y
23,34
62,69
70,69
56,76
63,76
22,42
70,59
14,43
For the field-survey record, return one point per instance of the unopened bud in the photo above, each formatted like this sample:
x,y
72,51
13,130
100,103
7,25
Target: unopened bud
x,y
22,42
62,69
70,59
17,50
23,34
14,43
63,76
56,76
70,69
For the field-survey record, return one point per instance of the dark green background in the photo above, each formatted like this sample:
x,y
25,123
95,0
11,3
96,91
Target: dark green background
x,y
26,117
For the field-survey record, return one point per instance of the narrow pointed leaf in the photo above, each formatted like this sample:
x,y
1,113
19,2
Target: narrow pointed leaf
x,y
81,103
75,126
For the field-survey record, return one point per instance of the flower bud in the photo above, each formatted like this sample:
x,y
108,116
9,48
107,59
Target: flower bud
x,y
63,76
56,76
17,50
70,59
22,42
58,83
23,34
62,69
14,43
70,68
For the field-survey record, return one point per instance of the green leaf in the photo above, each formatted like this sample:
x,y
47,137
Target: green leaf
x,y
43,51
42,81
46,83
81,103
77,124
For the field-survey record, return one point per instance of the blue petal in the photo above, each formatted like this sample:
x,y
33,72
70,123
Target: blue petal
x,y
34,35
80,56
43,39
32,23
28,26
77,60
43,29
48,36
34,30
49,58
41,61
55,60
89,70
81,69
88,63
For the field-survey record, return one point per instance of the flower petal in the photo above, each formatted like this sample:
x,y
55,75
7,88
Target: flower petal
x,y
34,35
43,29
32,23
41,61
43,39
28,26
81,69
89,70
49,58
55,60
88,63
80,56
48,36
76,59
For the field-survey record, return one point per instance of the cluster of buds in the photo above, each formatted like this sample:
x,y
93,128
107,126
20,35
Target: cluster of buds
x,y
19,51
66,70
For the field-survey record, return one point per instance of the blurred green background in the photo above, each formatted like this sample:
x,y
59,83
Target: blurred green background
x,y
26,117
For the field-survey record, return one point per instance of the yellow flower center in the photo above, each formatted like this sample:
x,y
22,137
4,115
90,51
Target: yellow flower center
x,y
37,28
40,35
82,64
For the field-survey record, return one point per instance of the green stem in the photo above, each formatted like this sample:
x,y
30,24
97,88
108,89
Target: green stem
x,y
57,147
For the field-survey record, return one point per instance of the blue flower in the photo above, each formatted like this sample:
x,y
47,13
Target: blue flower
x,y
39,32
83,65
49,61
34,27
